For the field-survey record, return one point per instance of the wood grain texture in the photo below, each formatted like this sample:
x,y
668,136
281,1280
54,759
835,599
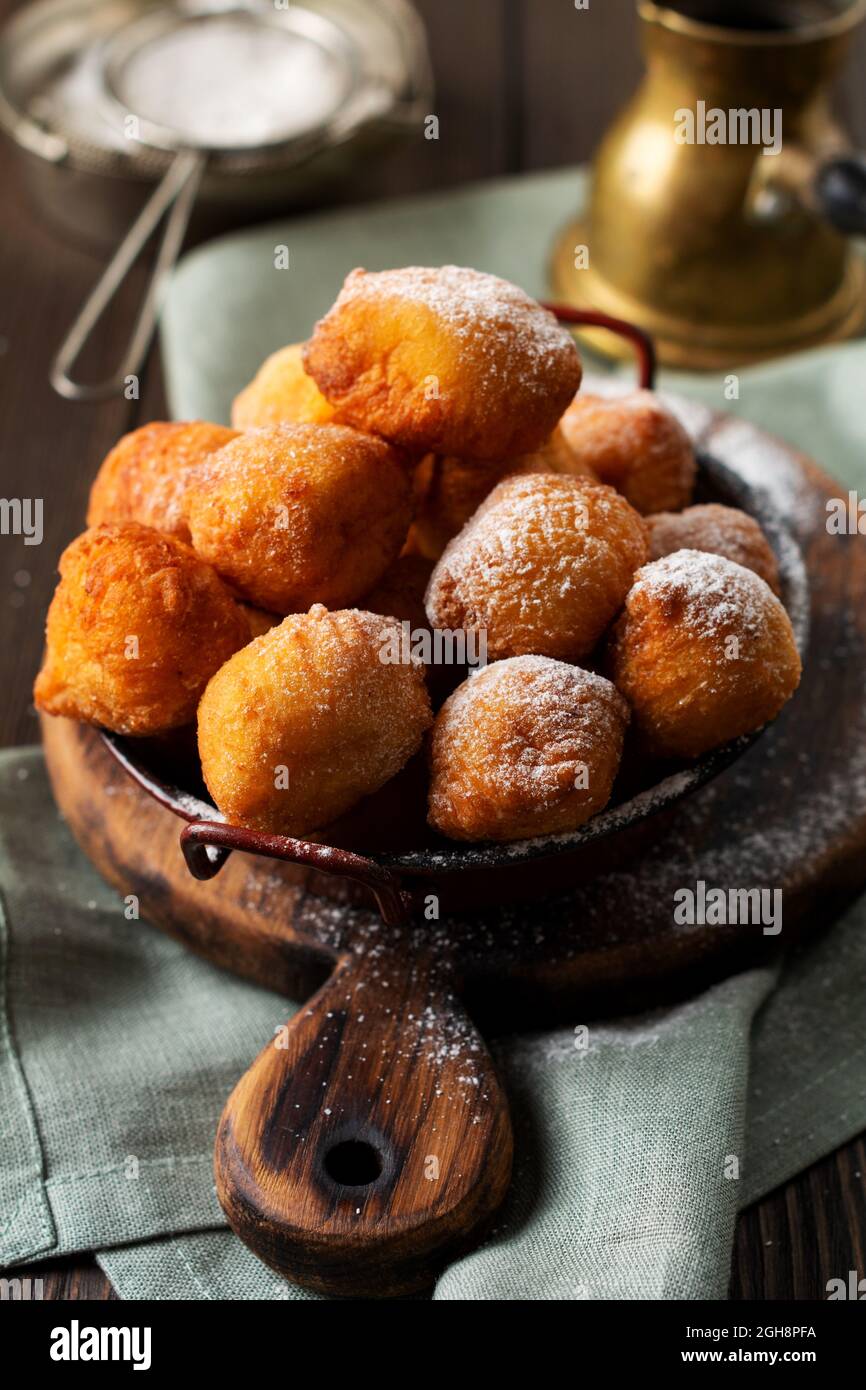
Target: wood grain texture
x,y
851,94
817,1223
372,1145
809,1231
580,68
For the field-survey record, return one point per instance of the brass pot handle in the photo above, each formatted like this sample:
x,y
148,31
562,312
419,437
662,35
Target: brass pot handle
x,y
840,193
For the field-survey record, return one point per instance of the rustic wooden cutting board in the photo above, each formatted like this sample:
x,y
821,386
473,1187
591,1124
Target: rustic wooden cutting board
x,y
374,1139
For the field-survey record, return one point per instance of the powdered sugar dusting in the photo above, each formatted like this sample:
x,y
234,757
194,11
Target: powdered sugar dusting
x,y
716,595
566,704
528,744
538,544
766,465
473,305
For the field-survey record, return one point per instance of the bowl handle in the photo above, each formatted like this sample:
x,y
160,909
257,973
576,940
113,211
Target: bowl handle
x,y
371,1138
593,318
207,844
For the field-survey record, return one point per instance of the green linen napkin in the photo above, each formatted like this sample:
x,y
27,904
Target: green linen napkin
x,y
118,1048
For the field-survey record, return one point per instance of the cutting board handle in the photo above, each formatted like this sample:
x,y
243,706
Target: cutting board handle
x,y
371,1138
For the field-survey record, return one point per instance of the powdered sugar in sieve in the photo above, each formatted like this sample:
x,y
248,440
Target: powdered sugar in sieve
x,y
230,81
249,83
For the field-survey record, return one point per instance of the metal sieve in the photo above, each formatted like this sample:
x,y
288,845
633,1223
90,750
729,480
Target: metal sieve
x,y
197,97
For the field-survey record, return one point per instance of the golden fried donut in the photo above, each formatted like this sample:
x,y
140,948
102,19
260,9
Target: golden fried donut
x,y
259,620
444,360
448,490
636,445
137,627
558,457
308,719
721,531
400,592
526,747
300,514
145,476
703,652
281,392
543,566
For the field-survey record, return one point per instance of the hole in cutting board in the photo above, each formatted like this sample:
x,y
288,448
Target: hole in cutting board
x,y
353,1163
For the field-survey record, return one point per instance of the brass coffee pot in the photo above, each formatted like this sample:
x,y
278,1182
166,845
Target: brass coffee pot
x,y
725,254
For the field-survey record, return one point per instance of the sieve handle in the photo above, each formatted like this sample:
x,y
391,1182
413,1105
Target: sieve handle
x,y
173,198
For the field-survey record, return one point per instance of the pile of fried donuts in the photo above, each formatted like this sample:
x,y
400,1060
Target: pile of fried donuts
x,y
424,463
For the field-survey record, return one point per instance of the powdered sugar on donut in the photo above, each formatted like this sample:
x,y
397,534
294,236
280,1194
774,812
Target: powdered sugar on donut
x,y
492,541
543,565
635,443
715,595
528,745
716,526
564,700
720,531
467,300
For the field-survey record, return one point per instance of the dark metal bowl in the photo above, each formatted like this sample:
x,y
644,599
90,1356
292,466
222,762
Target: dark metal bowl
x,y
406,867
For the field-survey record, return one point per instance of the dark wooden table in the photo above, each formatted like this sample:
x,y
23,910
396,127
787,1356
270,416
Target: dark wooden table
x,y
521,84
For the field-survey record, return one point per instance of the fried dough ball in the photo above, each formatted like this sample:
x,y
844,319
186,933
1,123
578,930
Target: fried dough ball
x,y
299,514
636,445
145,476
137,627
526,747
444,360
703,652
720,531
449,490
259,621
308,719
281,392
558,454
542,567
400,592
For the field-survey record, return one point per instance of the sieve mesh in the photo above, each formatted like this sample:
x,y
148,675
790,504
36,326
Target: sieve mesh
x,y
228,81
72,71
245,84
